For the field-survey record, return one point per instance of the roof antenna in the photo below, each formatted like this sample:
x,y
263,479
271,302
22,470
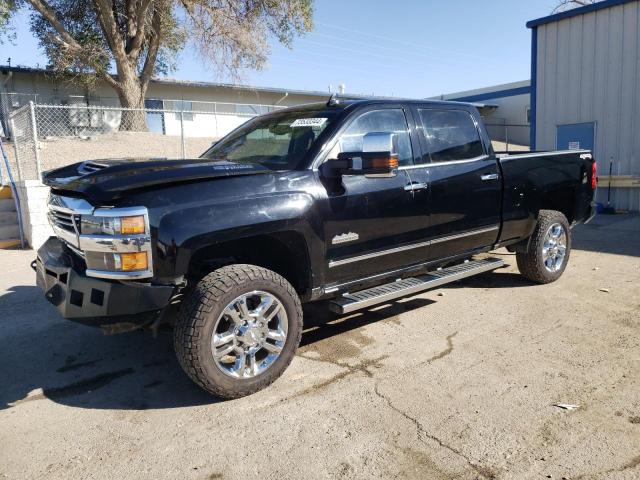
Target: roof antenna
x,y
333,100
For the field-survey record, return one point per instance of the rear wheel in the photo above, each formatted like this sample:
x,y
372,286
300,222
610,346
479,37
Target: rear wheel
x,y
238,330
549,248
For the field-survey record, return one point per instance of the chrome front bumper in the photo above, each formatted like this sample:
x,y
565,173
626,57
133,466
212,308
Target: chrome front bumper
x,y
64,217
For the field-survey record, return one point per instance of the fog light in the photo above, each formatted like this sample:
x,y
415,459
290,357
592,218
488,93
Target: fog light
x,y
132,225
132,261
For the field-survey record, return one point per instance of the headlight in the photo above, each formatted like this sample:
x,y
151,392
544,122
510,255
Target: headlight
x,y
117,262
116,243
99,225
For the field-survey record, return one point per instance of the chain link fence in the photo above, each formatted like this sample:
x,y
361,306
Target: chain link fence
x,y
45,137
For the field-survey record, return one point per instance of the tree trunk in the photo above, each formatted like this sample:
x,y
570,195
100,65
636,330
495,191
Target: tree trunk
x,y
131,95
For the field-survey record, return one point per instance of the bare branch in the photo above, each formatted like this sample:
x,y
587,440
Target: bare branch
x,y
137,32
104,11
154,47
50,16
109,79
569,4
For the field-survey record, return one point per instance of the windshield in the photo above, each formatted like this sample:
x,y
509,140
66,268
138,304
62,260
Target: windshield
x,y
277,141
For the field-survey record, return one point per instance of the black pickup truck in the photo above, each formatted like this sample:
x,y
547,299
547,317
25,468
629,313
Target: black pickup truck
x,y
355,203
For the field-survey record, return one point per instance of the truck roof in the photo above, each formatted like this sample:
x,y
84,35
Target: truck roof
x,y
343,104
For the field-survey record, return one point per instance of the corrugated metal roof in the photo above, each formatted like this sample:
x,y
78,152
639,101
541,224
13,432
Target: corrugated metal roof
x,y
594,7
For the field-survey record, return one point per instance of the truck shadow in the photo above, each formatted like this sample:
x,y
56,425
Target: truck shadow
x,y
496,279
46,357
614,234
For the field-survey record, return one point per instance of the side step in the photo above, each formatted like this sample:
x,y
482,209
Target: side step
x,y
349,302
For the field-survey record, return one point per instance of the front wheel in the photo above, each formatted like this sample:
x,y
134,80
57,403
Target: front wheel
x,y
238,330
549,248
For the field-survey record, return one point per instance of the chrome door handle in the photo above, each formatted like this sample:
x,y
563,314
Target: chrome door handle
x,y
489,176
415,186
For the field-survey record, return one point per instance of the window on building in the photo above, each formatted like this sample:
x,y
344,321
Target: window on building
x,y
183,106
527,115
250,109
450,135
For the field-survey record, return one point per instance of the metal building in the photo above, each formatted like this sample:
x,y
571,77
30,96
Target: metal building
x,y
585,90
505,110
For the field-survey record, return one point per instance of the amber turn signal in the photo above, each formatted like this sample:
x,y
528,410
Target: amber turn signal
x,y
134,261
389,162
133,225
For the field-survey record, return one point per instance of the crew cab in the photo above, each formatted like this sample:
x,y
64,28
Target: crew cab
x,y
355,203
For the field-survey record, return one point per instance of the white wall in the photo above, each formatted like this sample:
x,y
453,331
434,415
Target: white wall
x,y
33,204
203,124
511,111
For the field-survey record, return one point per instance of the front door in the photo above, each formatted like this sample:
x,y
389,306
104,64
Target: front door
x,y
373,225
576,136
465,188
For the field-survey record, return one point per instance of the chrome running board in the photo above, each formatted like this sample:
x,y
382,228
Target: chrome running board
x,y
349,302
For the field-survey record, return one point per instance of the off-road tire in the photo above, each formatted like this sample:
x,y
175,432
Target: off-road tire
x,y
531,262
202,307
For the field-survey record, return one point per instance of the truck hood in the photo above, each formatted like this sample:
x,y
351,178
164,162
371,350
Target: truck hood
x,y
108,179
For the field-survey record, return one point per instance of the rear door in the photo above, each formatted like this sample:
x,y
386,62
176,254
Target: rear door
x,y
464,181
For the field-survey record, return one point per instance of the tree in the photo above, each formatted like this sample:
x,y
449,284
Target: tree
x,y
565,5
138,39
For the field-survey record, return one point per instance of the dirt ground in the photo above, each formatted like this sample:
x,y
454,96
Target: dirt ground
x,y
456,383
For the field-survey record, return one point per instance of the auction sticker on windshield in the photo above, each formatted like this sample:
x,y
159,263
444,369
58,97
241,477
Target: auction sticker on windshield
x,y
308,122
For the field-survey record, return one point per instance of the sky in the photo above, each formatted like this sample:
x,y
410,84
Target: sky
x,y
404,48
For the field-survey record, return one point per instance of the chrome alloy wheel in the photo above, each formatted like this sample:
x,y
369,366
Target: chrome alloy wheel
x,y
554,248
249,334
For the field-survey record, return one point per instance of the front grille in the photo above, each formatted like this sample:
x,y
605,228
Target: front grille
x,y
62,220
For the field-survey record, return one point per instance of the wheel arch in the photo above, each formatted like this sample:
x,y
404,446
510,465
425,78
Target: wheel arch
x,y
284,252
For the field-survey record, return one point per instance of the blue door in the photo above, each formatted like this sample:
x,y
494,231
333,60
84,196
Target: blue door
x,y
155,120
577,136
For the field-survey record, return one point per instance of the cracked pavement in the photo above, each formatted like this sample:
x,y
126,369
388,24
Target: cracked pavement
x,y
455,383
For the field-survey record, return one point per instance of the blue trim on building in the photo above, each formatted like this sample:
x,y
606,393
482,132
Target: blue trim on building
x,y
594,7
534,86
511,92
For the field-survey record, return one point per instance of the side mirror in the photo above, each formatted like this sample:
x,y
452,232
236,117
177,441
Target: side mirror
x,y
378,157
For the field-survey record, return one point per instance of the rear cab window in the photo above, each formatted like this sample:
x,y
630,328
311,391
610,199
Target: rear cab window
x,y
448,135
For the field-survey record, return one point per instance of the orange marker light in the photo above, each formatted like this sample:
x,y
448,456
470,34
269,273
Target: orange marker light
x,y
132,225
134,261
389,162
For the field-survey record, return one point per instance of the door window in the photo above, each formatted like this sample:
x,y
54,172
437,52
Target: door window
x,y
450,135
387,120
